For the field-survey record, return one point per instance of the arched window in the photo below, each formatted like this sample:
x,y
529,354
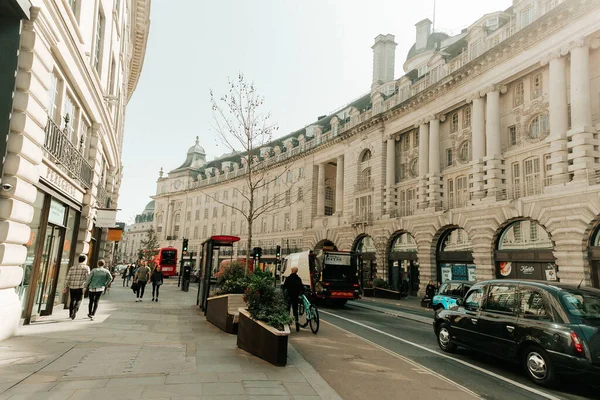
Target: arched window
x,y
519,94
537,86
404,243
366,156
467,117
524,234
539,126
464,152
177,220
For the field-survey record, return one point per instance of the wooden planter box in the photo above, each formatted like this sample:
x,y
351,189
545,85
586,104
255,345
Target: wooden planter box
x,y
262,340
369,292
222,311
387,294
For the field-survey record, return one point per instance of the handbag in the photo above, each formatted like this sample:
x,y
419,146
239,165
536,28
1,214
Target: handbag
x,y
134,286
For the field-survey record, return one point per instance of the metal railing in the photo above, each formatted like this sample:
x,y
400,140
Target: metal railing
x,y
362,218
65,154
103,197
364,184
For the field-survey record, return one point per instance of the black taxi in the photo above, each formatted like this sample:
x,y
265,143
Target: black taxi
x,y
549,328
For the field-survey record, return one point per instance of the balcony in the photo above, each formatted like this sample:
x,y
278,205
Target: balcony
x,y
363,185
103,197
364,218
65,154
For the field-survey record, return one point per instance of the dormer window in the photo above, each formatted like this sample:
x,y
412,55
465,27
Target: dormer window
x,y
526,16
423,70
492,24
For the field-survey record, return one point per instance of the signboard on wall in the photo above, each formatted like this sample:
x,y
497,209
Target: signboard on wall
x,y
114,235
527,270
56,213
106,218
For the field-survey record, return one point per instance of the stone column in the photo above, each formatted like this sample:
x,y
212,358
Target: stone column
x,y
168,219
423,162
559,119
494,169
581,134
321,191
434,178
390,175
339,186
478,147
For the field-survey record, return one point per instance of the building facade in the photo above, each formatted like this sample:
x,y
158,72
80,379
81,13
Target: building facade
x,y
78,65
480,162
131,241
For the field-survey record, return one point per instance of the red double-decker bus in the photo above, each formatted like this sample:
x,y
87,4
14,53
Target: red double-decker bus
x,y
167,259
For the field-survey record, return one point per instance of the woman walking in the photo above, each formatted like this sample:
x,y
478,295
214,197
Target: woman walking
x,y
95,284
157,279
141,277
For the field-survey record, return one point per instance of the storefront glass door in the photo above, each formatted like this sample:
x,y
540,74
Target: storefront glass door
x,y
49,266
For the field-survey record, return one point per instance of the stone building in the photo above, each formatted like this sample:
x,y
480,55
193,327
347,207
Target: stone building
x,y
78,65
481,161
134,234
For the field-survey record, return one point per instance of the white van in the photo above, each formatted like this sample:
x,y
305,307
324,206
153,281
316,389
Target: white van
x,y
300,261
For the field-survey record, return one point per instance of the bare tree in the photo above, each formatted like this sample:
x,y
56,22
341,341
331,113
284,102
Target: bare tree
x,y
246,130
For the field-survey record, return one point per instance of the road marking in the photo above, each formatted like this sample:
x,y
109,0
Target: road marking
x,y
418,368
475,367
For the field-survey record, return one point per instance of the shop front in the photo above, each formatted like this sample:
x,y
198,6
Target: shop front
x,y
403,263
455,256
594,257
50,252
524,251
365,247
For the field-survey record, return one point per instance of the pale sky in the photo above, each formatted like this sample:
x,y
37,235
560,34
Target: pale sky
x,y
307,58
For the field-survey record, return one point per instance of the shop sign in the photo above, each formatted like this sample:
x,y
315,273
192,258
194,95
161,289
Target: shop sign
x,y
529,270
56,214
337,259
106,218
472,274
114,235
61,183
446,273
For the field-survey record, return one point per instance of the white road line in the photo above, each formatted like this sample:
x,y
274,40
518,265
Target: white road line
x,y
475,367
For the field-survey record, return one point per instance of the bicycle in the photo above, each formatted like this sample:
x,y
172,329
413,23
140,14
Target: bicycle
x,y
311,313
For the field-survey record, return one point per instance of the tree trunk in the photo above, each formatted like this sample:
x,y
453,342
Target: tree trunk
x,y
248,247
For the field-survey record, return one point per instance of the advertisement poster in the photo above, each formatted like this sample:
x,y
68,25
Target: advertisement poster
x,y
550,272
472,273
446,273
460,272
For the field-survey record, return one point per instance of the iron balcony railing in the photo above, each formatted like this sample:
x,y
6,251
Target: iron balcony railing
x,y
103,197
65,154
363,184
362,218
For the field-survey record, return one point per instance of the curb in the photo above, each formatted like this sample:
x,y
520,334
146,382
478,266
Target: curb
x,y
324,391
409,316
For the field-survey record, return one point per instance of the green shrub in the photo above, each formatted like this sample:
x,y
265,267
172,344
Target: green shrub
x,y
231,279
380,283
265,303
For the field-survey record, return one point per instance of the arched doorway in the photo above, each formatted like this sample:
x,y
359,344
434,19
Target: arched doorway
x,y
403,263
524,251
365,247
455,256
325,245
594,257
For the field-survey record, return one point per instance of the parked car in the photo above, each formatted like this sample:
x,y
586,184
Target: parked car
x,y
549,328
449,292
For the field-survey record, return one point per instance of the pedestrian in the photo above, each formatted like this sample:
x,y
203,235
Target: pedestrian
x,y
293,287
405,287
132,271
141,277
75,282
125,276
430,292
95,284
157,279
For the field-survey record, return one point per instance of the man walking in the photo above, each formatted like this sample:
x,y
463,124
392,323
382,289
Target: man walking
x,y
76,278
141,277
293,287
96,282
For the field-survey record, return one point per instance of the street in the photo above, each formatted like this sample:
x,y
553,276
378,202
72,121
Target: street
x,y
488,378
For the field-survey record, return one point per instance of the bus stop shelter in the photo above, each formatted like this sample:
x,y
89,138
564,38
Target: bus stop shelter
x,y
209,264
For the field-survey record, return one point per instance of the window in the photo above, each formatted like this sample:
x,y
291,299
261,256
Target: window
x,y
197,216
111,80
206,213
234,194
300,172
54,98
286,222
288,197
467,117
502,298
204,231
422,70
533,232
526,16
474,299
454,123
366,156
243,229
223,231
536,86
189,216
196,232
98,44
363,205
405,142
72,5
232,230
70,119
512,135
416,139
213,229
299,217
464,152
289,176
215,213
224,211
532,304
226,195
300,194
277,180
539,126
476,49
519,94
533,176
448,157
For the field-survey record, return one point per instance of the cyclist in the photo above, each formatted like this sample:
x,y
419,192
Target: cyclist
x,y
293,288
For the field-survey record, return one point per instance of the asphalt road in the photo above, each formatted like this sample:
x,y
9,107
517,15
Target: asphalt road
x,y
489,378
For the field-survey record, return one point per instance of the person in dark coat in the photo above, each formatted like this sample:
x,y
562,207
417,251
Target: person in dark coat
x,y
293,287
157,280
405,288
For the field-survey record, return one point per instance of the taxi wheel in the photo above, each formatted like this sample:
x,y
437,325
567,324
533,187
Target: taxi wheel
x,y
443,338
537,365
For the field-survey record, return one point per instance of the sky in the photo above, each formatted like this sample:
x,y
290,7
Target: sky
x,y
306,58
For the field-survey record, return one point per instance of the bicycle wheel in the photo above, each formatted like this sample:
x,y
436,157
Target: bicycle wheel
x,y
314,321
302,315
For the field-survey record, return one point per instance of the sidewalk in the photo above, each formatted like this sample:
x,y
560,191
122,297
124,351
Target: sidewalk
x,y
163,350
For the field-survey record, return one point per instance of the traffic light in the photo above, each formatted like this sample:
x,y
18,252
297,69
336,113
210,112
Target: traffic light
x,y
257,252
278,251
184,248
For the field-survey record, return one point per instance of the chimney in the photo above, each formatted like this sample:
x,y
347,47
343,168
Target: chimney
x,y
423,32
384,59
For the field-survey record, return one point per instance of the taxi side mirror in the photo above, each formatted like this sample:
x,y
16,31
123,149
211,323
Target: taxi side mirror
x,y
460,302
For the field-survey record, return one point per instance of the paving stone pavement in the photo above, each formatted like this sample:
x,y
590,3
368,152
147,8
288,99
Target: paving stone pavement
x,y
164,350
